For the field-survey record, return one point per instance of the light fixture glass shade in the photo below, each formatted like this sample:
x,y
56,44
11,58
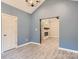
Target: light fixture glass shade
x,y
32,2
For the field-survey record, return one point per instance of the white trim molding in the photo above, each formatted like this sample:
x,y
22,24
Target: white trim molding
x,y
28,43
34,43
69,50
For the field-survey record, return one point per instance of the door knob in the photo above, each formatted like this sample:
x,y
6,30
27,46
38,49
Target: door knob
x,y
5,35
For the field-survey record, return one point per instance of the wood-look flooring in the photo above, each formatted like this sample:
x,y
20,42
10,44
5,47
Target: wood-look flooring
x,y
47,50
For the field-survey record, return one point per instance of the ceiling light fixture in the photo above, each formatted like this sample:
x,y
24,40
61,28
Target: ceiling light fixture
x,y
32,2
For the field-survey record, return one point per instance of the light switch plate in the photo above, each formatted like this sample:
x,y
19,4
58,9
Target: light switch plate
x,y
35,29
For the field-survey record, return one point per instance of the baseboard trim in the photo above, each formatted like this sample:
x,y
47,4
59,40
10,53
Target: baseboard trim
x,y
34,43
28,43
69,50
53,37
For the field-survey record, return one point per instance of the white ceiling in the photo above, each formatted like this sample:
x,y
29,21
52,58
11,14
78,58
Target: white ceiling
x,y
22,5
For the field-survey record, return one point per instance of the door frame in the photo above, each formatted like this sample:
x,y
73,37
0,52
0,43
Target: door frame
x,y
16,32
40,25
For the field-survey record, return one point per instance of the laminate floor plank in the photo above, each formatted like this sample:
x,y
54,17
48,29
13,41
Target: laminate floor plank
x,y
47,50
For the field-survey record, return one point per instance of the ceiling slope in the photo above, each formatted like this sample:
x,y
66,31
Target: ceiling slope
x,y
22,5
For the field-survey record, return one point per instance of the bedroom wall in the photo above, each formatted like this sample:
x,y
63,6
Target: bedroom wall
x,y
68,12
23,22
29,25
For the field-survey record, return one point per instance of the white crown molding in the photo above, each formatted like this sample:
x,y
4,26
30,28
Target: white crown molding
x,y
74,0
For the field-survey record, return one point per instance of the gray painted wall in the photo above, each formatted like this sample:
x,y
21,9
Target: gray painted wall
x,y
67,10
23,22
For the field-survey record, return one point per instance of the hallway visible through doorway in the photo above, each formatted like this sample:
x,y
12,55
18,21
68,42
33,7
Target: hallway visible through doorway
x,y
49,28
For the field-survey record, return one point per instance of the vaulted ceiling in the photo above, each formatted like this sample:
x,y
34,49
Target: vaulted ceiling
x,y
22,5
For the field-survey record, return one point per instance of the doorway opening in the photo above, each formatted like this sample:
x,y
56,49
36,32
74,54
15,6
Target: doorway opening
x,y
49,28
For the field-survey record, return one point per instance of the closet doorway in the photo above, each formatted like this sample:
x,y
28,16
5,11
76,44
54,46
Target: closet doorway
x,y
49,28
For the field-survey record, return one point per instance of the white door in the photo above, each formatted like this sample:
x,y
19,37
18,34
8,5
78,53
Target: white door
x,y
54,28
9,32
